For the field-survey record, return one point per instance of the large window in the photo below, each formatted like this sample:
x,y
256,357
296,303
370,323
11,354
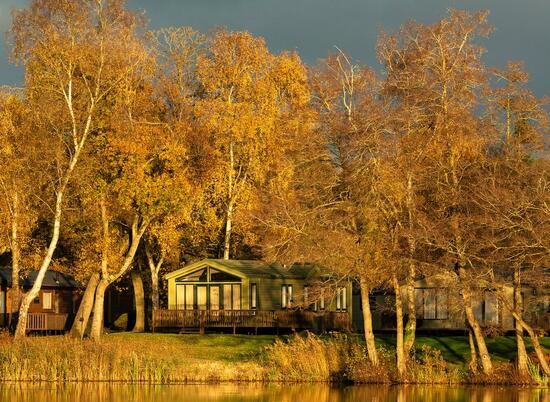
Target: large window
x,y
486,308
341,299
432,303
232,297
286,296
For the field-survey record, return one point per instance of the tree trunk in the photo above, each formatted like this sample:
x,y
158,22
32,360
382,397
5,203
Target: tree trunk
x,y
523,368
155,269
97,321
228,228
155,297
485,358
410,328
139,298
229,215
85,309
473,353
367,321
15,259
534,340
400,348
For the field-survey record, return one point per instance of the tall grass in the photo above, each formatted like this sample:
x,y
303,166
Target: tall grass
x,y
171,359
307,358
64,359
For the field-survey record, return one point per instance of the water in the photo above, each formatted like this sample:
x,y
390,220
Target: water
x,y
261,393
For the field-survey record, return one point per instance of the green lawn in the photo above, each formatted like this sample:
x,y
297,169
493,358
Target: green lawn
x,y
221,347
455,349
239,348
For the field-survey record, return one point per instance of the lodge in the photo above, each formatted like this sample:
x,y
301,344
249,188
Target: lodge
x,y
251,295
254,294
52,309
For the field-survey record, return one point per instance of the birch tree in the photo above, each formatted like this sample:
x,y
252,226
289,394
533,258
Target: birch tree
x,y
75,55
247,95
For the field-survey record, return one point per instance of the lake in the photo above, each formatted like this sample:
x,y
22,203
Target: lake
x,y
264,393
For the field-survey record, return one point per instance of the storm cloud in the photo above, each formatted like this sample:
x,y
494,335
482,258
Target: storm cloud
x,y
314,27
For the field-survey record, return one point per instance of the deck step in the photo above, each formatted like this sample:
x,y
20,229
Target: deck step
x,y
194,330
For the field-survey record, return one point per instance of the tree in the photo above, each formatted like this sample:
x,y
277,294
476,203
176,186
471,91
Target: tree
x,y
76,54
18,166
326,211
248,98
515,196
437,70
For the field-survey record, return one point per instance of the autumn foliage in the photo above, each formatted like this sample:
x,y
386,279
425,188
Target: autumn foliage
x,y
128,149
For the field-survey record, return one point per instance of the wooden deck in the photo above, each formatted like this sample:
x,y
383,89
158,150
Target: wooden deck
x,y
319,321
46,322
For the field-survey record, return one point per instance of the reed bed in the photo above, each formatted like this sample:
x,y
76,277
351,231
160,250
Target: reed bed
x,y
182,359
117,359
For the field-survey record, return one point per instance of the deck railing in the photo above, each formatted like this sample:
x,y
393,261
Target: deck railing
x,y
295,319
46,321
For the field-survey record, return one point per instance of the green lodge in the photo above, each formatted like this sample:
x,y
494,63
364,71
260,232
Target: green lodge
x,y
255,294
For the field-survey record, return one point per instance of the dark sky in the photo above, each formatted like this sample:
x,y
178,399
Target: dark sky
x,y
313,27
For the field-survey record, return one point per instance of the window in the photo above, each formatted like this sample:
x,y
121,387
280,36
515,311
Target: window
x,y
253,295
341,299
286,296
47,300
185,297
486,308
231,297
432,303
236,297
227,297
197,276
219,276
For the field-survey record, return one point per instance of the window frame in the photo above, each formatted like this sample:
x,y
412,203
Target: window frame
x,y
43,300
440,314
286,296
253,296
341,299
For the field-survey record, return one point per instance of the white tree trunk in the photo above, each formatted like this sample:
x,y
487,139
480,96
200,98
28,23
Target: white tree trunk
x,y
139,299
99,305
85,309
400,346
367,322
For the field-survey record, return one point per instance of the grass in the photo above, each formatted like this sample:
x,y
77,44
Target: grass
x,y
456,350
199,348
172,358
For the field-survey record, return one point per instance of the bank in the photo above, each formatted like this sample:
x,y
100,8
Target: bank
x,y
173,358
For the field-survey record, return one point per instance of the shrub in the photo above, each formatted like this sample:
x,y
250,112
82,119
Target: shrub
x,y
429,367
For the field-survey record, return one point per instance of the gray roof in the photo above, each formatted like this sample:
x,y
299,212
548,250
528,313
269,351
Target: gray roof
x,y
52,279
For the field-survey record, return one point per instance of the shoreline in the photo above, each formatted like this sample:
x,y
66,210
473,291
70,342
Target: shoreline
x,y
171,359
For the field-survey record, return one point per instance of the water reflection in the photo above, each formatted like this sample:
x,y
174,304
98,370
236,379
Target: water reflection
x,y
260,393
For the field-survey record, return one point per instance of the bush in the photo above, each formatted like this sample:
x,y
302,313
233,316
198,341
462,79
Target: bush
x,y
429,367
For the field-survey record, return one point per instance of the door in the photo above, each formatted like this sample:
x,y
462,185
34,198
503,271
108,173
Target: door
x,y
3,319
189,297
201,298
214,297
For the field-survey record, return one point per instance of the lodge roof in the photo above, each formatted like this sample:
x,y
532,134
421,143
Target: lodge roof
x,y
52,279
255,269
